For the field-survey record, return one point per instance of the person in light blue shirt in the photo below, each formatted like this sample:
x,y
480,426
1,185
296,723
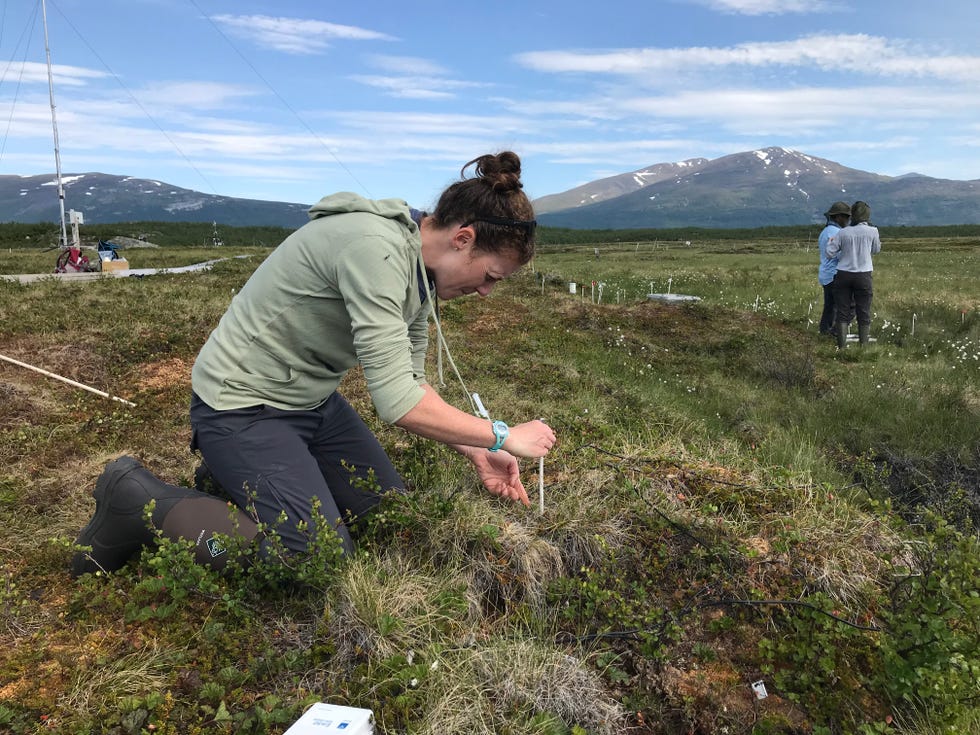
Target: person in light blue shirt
x,y
837,216
853,247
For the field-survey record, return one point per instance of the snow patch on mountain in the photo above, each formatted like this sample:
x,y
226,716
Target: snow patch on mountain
x,y
65,180
188,205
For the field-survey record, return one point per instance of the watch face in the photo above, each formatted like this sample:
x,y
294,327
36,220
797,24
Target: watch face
x,y
500,432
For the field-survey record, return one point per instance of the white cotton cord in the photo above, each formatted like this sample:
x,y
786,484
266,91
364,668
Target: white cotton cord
x,y
439,346
442,380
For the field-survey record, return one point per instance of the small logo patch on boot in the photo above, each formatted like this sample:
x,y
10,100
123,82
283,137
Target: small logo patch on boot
x,y
214,547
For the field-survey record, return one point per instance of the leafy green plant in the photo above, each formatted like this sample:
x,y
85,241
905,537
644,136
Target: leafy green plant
x,y
929,658
821,663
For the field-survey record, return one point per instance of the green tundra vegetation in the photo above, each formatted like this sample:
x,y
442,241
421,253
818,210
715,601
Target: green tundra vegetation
x,y
735,507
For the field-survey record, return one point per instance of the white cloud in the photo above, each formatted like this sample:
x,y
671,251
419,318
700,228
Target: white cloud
x,y
406,65
403,87
606,152
411,87
843,52
374,125
294,35
193,95
766,7
33,73
805,106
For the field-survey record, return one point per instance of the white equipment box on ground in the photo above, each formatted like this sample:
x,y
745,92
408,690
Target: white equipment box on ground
x,y
324,718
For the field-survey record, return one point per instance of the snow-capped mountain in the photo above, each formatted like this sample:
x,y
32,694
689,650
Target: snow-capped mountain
x,y
770,186
615,186
104,198
766,187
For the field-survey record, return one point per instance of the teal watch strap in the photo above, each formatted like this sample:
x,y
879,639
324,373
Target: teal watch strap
x,y
501,431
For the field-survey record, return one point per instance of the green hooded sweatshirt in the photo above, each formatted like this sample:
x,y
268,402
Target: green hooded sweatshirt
x,y
341,290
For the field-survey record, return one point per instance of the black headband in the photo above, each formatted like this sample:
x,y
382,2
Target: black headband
x,y
528,225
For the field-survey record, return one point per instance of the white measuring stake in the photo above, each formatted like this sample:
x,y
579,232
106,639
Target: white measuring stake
x,y
480,408
63,379
541,484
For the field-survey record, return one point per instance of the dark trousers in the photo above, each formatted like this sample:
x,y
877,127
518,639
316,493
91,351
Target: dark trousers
x,y
281,461
852,293
827,317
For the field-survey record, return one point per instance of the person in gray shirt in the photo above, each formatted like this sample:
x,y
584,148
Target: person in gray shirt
x,y
853,247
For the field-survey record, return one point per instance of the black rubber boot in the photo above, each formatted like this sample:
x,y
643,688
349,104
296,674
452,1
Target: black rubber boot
x,y
864,333
840,331
118,530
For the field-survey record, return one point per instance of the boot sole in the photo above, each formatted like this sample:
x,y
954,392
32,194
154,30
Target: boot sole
x,y
83,561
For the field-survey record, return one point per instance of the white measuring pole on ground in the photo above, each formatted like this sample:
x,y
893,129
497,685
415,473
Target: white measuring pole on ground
x,y
541,485
63,379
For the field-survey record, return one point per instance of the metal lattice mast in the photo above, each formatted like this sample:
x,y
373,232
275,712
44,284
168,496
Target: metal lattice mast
x,y
54,126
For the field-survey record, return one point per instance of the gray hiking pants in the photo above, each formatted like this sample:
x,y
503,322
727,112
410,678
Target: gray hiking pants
x,y
853,293
278,461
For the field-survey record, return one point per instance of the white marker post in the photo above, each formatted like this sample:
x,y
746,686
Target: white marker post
x,y
541,485
63,379
480,408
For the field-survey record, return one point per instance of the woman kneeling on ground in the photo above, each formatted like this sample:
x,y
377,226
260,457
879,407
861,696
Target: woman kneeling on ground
x,y
352,286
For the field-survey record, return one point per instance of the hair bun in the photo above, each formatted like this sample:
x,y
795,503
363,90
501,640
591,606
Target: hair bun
x,y
493,202
501,171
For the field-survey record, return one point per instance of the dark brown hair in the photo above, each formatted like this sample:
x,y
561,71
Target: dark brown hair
x,y
860,212
494,203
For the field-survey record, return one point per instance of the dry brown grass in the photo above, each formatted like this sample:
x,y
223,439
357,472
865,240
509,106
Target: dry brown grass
x,y
475,688
383,607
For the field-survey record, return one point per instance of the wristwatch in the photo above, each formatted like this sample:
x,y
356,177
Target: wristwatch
x,y
501,431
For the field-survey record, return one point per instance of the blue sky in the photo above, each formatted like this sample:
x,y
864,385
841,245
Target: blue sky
x,y
292,100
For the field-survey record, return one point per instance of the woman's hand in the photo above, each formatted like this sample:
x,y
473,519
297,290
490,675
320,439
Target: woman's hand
x,y
499,473
532,439
435,419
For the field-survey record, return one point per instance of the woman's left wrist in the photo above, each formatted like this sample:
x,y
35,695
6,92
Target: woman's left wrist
x,y
500,433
